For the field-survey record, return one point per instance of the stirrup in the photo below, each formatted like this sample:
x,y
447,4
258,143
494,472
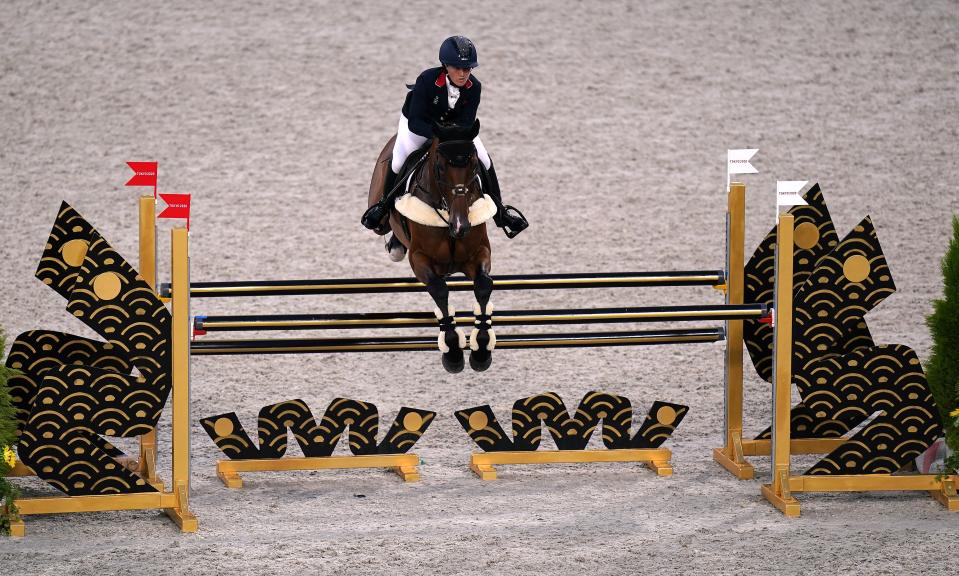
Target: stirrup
x,y
375,218
511,221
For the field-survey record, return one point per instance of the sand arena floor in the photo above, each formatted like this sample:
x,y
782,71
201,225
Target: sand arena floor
x,y
608,123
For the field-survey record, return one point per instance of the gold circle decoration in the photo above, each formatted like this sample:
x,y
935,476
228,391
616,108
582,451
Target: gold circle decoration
x,y
74,252
806,235
223,427
412,421
666,415
855,268
106,286
478,420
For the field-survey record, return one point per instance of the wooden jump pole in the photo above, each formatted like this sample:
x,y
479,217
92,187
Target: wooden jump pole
x,y
777,492
148,259
180,272
730,456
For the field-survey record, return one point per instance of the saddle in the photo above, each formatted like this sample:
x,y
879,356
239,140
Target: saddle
x,y
396,184
408,167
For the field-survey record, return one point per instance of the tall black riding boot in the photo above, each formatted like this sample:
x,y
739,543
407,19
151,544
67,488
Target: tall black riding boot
x,y
376,217
507,217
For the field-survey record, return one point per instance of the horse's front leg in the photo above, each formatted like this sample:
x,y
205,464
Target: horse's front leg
x,y
482,339
451,339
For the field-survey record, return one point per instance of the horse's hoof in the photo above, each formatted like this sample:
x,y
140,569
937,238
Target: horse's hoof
x,y
480,360
453,361
395,248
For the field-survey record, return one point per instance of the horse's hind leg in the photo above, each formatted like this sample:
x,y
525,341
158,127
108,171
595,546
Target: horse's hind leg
x,y
482,339
451,340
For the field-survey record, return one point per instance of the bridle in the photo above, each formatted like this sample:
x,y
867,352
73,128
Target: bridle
x,y
437,201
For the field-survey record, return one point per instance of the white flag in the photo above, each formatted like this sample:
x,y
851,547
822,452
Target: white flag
x,y
738,161
787,193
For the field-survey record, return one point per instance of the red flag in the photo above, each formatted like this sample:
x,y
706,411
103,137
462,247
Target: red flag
x,y
178,206
144,174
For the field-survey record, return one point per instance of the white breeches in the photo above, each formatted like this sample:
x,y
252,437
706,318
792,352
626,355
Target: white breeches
x,y
407,142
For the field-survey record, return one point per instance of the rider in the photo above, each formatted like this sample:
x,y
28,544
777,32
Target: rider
x,y
446,94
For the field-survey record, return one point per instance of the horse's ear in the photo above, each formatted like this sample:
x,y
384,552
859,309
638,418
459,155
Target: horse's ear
x,y
474,130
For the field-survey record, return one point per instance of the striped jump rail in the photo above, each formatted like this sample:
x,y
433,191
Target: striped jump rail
x,y
203,324
428,343
506,282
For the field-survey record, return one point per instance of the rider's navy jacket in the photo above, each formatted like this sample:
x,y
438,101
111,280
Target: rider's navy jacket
x,y
426,103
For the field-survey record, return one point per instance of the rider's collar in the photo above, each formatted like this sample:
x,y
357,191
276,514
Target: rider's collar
x,y
441,81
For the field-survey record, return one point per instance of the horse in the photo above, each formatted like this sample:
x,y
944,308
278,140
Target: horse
x,y
441,221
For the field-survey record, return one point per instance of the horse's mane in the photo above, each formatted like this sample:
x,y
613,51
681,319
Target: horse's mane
x,y
448,132
455,142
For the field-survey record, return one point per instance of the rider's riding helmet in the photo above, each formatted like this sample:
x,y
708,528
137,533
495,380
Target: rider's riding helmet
x,y
458,51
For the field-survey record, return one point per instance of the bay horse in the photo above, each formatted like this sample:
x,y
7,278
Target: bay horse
x,y
441,221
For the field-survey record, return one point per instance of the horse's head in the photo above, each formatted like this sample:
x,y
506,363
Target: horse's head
x,y
455,173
